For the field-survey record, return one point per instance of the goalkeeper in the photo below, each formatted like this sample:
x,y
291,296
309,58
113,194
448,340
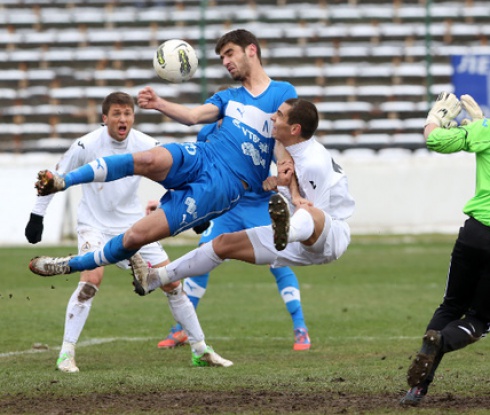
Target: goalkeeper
x,y
463,316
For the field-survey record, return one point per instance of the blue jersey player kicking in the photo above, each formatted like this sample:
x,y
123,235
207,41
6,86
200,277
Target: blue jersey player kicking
x,y
203,180
250,212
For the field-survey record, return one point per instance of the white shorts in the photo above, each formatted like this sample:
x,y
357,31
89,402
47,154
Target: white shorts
x,y
331,244
91,239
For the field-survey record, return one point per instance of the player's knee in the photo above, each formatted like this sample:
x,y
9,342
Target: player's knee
x,y
87,292
172,288
133,239
153,163
222,246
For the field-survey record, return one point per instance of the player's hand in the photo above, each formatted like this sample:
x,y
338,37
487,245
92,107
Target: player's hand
x,y
147,98
445,109
151,206
472,109
285,172
34,229
301,202
270,184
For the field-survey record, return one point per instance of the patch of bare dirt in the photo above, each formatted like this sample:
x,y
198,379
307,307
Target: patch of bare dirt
x,y
241,401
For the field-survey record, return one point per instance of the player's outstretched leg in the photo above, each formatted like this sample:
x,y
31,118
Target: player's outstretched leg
x,y
48,183
145,278
47,266
279,213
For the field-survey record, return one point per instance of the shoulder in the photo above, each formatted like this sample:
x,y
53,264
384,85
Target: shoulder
x,y
89,139
283,88
285,85
141,139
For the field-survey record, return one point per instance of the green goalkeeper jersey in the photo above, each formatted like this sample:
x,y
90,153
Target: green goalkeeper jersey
x,y
473,138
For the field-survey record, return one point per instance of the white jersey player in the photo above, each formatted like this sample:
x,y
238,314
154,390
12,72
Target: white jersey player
x,y
317,231
106,210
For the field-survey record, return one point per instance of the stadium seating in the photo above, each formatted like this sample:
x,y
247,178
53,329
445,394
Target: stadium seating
x,y
362,63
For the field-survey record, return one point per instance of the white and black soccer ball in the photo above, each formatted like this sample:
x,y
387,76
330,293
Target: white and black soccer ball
x,y
175,61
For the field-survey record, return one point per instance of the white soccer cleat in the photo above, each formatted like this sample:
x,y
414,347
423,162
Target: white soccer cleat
x,y
144,276
210,358
279,213
47,266
48,183
66,363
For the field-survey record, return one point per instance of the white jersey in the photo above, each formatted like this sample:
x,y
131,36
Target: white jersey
x,y
110,207
323,183
321,180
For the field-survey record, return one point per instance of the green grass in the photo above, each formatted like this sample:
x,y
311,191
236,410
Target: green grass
x,y
366,314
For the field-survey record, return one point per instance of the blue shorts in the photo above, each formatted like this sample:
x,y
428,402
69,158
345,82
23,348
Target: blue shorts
x,y
199,188
242,216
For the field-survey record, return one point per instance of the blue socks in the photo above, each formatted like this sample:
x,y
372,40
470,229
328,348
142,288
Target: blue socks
x,y
288,287
105,169
195,288
112,252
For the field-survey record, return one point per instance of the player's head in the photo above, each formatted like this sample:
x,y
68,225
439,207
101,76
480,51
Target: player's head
x,y
237,49
118,114
295,119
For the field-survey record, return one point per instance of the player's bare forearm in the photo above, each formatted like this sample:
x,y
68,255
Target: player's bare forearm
x,y
428,129
207,113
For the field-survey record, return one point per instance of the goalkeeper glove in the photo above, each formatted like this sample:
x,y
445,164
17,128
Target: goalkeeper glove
x,y
445,109
34,228
472,109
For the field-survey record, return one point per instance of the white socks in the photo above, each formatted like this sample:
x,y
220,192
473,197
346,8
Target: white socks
x,y
184,313
196,262
77,313
301,226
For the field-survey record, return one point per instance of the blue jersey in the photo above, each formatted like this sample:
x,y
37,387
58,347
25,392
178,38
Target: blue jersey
x,y
249,198
244,140
207,178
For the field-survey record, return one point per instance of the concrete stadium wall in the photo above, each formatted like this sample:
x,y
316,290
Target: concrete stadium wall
x,y
394,192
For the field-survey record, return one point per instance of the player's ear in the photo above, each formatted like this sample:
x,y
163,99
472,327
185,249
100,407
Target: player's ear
x,y
296,129
104,119
251,49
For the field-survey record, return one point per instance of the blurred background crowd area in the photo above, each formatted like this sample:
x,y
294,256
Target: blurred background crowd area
x,y
372,67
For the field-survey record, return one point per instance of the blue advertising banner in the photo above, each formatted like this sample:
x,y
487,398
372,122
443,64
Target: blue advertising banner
x,y
471,75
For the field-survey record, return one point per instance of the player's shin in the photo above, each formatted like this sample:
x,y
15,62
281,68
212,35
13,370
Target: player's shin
x,y
197,262
184,313
112,252
105,169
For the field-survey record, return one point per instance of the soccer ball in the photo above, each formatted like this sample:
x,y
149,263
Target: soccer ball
x,y
175,61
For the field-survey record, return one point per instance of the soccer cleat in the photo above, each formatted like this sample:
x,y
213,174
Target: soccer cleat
x,y
47,266
279,213
176,337
48,183
210,358
422,364
143,275
414,396
66,363
301,339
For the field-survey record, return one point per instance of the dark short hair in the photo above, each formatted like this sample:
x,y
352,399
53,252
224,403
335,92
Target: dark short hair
x,y
240,37
120,98
305,114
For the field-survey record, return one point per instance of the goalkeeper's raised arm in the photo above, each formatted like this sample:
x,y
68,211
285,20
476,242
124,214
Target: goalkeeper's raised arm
x,y
442,132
